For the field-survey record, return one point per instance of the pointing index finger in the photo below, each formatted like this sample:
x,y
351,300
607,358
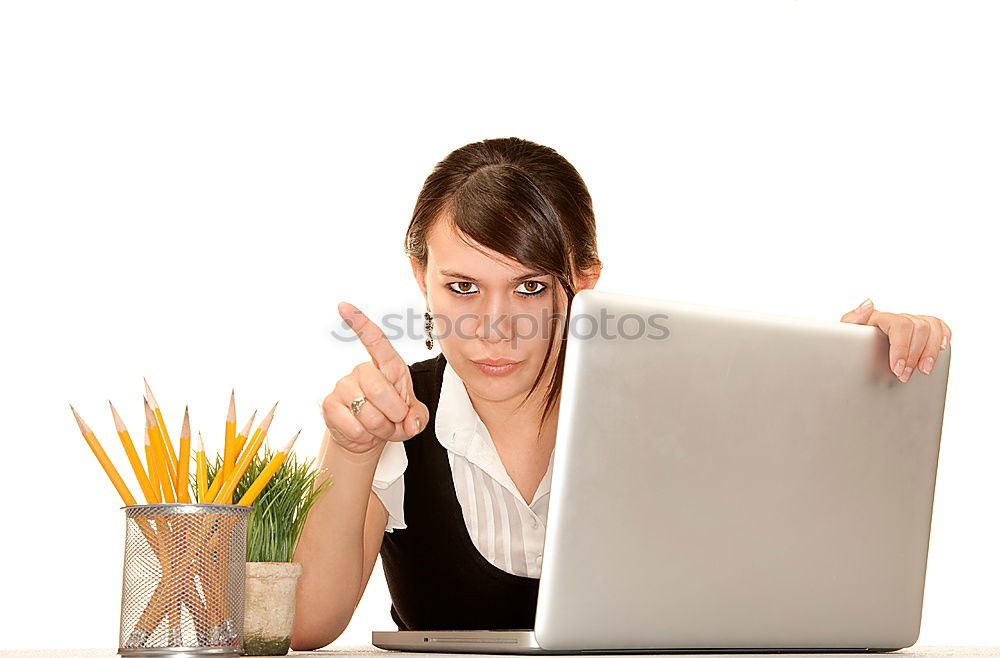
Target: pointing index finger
x,y
381,350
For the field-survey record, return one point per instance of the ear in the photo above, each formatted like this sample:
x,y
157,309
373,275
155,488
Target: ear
x,y
420,274
587,279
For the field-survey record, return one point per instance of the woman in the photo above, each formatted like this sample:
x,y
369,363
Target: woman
x,y
502,237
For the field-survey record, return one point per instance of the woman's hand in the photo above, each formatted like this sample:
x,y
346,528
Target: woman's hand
x,y
913,339
391,411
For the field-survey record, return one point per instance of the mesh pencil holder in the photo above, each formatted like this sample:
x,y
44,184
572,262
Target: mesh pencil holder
x,y
183,580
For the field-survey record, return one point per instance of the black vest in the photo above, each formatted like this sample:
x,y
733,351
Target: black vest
x,y
437,578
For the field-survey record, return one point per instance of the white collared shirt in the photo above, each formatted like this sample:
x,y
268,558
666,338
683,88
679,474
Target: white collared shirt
x,y
507,530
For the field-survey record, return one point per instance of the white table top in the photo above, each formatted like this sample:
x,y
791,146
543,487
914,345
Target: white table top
x,y
368,650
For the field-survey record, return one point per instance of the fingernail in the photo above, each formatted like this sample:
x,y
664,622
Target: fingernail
x,y
906,375
865,304
417,423
944,342
898,368
928,364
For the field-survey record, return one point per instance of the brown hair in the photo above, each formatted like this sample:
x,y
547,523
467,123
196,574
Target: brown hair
x,y
522,200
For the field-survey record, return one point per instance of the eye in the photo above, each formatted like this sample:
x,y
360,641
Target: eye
x,y
534,288
463,291
465,288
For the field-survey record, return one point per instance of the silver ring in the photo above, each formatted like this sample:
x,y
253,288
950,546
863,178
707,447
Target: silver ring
x,y
356,405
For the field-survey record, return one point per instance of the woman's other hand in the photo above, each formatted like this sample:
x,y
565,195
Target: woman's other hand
x,y
914,340
391,411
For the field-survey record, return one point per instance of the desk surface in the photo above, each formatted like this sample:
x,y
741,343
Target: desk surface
x,y
367,651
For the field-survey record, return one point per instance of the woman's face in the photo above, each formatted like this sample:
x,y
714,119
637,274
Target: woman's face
x,y
487,306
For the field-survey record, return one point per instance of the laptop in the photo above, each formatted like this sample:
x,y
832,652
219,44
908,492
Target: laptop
x,y
726,480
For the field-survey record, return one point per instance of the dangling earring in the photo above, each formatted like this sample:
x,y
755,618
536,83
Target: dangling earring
x,y
428,327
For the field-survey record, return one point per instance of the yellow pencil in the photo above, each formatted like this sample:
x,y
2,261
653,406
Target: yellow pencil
x,y
213,489
241,438
133,457
217,483
268,472
225,494
202,469
172,461
258,438
154,479
184,461
102,457
159,455
228,452
261,432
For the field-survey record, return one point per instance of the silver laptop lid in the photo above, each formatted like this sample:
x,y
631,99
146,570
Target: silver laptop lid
x,y
730,479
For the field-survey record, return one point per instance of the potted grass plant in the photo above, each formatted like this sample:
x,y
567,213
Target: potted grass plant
x,y
273,530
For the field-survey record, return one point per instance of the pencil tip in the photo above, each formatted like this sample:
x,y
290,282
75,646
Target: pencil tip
x,y
288,447
150,419
246,428
79,421
119,425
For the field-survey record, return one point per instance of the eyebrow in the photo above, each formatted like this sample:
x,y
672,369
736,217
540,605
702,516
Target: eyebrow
x,y
516,279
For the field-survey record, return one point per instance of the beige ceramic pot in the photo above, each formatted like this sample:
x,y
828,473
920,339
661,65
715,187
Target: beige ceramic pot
x,y
269,611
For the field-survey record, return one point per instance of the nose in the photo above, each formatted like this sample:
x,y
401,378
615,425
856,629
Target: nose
x,y
495,321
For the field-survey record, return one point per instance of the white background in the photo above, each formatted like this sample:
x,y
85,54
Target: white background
x,y
187,190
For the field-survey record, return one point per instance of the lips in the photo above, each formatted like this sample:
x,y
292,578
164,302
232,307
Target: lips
x,y
497,367
495,362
